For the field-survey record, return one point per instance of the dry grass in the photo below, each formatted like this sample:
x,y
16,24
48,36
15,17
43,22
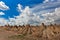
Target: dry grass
x,y
28,32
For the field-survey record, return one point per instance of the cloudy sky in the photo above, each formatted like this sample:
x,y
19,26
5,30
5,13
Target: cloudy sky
x,y
34,12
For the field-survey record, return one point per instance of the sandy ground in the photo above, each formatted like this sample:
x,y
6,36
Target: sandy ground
x,y
4,34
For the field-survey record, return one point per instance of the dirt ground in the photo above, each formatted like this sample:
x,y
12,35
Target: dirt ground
x,y
4,34
30,33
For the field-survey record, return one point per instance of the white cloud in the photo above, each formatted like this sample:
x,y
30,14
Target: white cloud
x,y
26,16
3,22
3,6
1,13
49,12
46,7
30,16
19,7
43,13
53,17
11,21
46,1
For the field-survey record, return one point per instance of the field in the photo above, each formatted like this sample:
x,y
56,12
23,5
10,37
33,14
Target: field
x,y
30,32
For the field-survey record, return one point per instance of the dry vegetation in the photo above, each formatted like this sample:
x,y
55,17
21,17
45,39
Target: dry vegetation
x,y
29,32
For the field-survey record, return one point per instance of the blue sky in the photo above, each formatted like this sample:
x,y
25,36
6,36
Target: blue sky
x,y
34,12
13,4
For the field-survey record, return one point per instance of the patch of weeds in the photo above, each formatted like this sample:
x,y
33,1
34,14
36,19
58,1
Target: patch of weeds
x,y
17,37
